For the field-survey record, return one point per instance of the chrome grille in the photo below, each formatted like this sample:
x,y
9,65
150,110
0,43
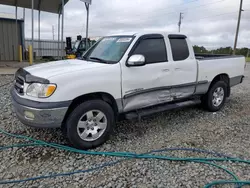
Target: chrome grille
x,y
19,84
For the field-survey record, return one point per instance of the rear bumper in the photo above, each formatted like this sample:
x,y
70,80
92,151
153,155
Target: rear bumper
x,y
40,115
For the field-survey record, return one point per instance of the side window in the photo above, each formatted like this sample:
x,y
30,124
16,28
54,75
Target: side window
x,y
153,49
180,49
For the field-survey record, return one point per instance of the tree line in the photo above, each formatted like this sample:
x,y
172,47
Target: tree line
x,y
222,50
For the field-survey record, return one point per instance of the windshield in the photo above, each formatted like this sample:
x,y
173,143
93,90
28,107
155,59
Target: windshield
x,y
75,47
109,49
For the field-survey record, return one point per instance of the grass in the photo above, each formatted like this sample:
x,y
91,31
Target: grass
x,y
248,59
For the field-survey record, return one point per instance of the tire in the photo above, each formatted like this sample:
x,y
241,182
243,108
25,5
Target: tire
x,y
79,123
207,100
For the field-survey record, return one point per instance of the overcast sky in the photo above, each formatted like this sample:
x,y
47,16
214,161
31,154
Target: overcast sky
x,y
209,23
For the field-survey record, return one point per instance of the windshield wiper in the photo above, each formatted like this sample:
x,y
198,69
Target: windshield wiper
x,y
98,59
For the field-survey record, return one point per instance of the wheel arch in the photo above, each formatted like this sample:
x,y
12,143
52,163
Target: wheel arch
x,y
91,96
222,77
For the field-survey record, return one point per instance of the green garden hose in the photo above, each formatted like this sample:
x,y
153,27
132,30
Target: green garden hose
x,y
126,155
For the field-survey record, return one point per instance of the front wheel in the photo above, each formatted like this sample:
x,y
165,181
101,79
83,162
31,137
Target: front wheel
x,y
215,98
90,124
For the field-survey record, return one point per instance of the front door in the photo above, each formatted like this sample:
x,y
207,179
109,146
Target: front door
x,y
147,85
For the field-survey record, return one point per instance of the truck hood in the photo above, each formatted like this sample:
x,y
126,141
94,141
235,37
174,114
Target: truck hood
x,y
48,70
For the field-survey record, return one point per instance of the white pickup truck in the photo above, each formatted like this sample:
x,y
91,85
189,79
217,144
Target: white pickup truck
x,y
129,75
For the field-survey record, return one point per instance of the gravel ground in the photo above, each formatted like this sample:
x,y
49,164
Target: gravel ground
x,y
226,131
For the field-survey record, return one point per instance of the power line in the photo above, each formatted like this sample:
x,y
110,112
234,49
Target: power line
x,y
174,12
192,20
158,16
166,13
187,9
164,9
204,5
212,16
155,18
216,15
219,8
183,10
196,19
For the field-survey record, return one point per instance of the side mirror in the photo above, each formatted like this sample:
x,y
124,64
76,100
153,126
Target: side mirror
x,y
136,60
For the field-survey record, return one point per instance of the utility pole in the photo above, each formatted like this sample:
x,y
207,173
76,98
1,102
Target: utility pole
x,y
180,19
238,27
53,32
24,47
87,5
87,25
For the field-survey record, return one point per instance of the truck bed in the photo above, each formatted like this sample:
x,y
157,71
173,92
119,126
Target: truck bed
x,y
211,65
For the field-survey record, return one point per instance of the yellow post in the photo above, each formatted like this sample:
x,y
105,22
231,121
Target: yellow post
x,y
20,53
30,55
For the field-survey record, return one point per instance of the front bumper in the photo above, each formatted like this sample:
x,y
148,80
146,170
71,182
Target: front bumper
x,y
37,114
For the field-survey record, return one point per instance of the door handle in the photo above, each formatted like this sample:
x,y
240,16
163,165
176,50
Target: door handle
x,y
177,69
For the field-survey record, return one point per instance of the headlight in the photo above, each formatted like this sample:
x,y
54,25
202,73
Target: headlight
x,y
40,90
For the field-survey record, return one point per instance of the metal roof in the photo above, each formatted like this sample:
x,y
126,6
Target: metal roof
x,y
53,6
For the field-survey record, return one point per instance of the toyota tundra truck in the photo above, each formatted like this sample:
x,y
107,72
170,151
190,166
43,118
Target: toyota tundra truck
x,y
122,76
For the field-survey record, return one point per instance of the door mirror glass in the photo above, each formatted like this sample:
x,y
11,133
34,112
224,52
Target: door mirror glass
x,y
136,60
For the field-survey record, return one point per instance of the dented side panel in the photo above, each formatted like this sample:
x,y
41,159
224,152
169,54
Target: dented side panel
x,y
183,92
147,99
154,96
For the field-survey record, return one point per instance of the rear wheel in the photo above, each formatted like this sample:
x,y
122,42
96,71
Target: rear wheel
x,y
90,124
215,98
